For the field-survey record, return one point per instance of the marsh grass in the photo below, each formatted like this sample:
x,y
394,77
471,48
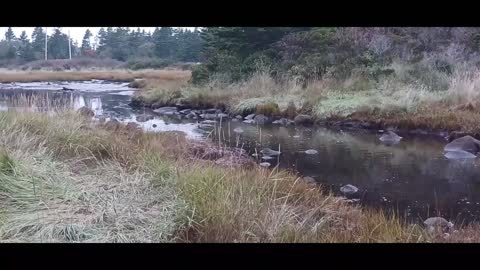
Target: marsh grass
x,y
65,178
112,75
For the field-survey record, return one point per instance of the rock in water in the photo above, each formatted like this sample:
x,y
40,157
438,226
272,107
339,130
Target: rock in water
x,y
154,125
208,122
212,111
85,111
265,164
144,118
269,152
208,116
303,119
249,121
250,116
282,121
465,143
191,115
459,154
238,130
267,157
349,189
166,110
185,111
311,152
438,224
239,117
222,115
261,119
390,137
309,179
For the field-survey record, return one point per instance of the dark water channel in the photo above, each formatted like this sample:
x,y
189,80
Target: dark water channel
x,y
412,177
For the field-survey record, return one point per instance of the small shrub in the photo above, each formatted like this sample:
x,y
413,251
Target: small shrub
x,y
268,109
290,111
199,75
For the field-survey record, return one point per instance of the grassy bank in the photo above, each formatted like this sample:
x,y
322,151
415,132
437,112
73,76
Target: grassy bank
x,y
64,178
430,100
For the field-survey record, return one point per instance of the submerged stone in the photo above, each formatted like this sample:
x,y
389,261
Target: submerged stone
x,y
238,130
311,152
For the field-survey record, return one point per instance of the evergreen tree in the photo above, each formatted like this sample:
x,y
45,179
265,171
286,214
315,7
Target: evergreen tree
x,y
9,35
38,43
86,48
163,40
58,45
25,48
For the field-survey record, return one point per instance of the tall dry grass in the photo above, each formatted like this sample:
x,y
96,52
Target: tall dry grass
x,y
113,75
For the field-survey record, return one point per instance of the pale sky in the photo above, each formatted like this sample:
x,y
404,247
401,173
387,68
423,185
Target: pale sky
x,y
75,32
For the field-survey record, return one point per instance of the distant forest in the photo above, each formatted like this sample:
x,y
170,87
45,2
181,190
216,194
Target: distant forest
x,y
122,44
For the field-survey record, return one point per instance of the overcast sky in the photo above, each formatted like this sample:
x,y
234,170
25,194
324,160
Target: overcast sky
x,y
75,32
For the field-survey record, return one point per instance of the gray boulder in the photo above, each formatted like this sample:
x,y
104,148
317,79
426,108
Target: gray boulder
x,y
249,121
349,189
438,224
239,117
303,119
465,143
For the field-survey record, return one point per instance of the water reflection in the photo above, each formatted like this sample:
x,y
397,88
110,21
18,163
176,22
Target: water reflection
x,y
412,177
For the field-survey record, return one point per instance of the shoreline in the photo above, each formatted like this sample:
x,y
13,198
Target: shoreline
x,y
347,123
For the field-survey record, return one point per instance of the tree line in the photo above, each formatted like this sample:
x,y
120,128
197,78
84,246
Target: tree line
x,y
234,53
118,43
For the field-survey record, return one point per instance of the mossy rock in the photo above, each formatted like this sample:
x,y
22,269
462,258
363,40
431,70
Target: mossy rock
x,y
268,109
